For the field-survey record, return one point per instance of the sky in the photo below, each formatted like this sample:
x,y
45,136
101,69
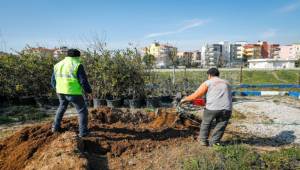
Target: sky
x,y
187,24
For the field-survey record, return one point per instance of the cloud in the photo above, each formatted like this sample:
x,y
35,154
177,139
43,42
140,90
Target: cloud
x,y
186,26
290,7
270,33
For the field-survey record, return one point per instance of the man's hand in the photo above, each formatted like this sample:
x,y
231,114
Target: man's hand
x,y
183,101
90,96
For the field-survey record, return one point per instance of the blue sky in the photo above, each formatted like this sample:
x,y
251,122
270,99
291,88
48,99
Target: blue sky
x,y
187,24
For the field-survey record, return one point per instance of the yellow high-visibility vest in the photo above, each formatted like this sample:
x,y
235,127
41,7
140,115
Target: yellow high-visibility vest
x,y
66,76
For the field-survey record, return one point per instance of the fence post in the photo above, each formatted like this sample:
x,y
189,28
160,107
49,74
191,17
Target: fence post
x,y
299,77
241,75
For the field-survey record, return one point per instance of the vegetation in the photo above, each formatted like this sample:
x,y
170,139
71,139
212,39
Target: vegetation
x,y
26,74
115,74
118,73
249,76
97,68
242,157
297,63
21,114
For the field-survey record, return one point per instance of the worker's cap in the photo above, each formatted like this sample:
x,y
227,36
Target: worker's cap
x,y
73,53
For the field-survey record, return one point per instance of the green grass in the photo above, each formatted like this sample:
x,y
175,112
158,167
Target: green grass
x,y
244,158
274,77
284,159
208,160
248,76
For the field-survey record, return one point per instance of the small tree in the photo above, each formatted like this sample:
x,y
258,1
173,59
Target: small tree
x,y
96,65
172,57
149,61
137,73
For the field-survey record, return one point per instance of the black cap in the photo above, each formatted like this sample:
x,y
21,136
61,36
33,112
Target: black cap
x,y
73,53
213,72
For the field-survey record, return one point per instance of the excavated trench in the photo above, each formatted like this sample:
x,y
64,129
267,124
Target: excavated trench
x,y
115,134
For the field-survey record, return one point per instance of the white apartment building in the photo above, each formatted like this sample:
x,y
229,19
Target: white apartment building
x,y
290,51
225,51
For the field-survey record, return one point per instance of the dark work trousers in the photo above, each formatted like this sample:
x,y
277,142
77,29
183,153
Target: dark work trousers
x,y
81,108
222,117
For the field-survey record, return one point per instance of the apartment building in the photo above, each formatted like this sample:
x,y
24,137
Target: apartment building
x,y
290,51
212,55
237,53
225,52
196,58
163,53
296,51
185,58
264,49
252,51
274,50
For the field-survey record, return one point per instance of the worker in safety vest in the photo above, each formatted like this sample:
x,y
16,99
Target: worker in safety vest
x,y
70,80
218,106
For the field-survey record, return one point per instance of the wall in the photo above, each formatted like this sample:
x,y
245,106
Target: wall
x,y
272,64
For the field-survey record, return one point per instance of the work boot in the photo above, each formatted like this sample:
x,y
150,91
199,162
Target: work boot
x,y
202,143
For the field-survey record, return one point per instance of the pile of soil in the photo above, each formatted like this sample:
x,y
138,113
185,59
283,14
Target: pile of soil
x,y
115,134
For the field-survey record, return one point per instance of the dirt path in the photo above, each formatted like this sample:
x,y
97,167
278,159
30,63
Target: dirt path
x,y
275,119
277,78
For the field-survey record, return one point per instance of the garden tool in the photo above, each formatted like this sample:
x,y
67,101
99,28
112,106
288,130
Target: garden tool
x,y
190,111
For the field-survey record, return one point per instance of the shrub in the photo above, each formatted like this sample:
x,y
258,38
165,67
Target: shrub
x,y
36,70
115,73
97,69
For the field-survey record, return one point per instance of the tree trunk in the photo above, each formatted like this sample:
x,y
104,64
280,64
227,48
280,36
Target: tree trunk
x,y
173,75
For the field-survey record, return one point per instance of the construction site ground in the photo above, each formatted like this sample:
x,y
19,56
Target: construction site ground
x,y
146,139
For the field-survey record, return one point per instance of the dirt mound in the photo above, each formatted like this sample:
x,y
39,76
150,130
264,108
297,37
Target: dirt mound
x,y
168,117
165,117
108,115
18,149
115,133
63,155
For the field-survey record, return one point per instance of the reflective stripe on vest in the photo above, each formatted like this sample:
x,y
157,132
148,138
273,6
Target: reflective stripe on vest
x,y
66,76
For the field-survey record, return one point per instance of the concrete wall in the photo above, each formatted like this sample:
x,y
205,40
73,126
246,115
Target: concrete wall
x,y
271,64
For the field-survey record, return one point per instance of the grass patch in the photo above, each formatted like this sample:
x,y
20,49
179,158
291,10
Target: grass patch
x,y
21,114
249,76
205,161
283,159
243,157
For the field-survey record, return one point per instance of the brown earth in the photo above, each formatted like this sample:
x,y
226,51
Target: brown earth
x,y
116,135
